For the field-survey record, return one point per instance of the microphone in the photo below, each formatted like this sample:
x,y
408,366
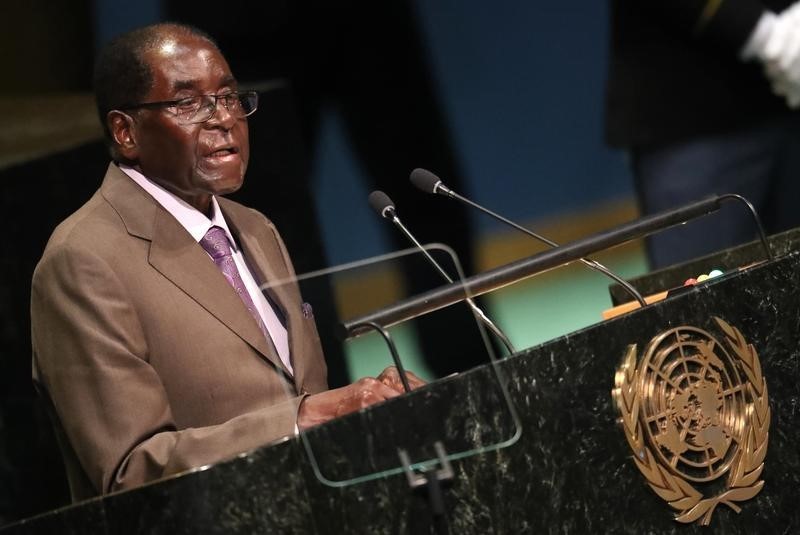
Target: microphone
x,y
430,183
384,207
382,204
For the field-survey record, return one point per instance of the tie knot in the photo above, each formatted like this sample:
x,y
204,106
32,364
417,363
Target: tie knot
x,y
215,243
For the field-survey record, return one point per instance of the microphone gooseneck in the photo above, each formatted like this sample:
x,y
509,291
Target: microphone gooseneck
x,y
384,207
430,183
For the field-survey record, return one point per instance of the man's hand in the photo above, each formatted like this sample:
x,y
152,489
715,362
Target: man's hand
x,y
320,408
391,378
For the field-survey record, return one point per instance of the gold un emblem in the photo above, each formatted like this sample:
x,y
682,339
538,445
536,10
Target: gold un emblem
x,y
693,412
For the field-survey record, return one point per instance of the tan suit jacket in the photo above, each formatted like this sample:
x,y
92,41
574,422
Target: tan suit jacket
x,y
150,361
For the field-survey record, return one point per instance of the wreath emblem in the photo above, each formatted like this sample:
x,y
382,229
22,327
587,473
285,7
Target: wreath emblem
x,y
692,412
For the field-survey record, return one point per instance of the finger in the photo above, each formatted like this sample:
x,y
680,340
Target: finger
x,y
391,378
368,387
368,396
388,372
393,382
387,391
397,386
411,377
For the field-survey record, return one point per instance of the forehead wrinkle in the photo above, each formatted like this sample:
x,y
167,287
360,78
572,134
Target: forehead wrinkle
x,y
175,56
179,85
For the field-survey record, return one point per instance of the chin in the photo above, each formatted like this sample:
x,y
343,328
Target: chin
x,y
223,183
226,187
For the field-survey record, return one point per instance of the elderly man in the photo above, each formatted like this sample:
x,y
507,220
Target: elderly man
x,y
152,342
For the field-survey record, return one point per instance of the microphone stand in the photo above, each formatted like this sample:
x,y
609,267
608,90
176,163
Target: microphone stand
x,y
521,269
592,264
475,308
401,370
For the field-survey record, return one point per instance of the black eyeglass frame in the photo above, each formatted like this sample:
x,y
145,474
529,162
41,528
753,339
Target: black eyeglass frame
x,y
171,103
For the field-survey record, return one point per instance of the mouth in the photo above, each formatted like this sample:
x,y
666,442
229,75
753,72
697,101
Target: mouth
x,y
223,153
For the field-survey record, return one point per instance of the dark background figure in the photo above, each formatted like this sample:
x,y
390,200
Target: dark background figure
x,y
699,120
367,61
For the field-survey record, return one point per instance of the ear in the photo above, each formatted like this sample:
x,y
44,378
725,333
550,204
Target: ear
x,y
123,133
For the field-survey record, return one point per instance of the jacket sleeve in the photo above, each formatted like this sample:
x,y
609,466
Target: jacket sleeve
x,y
91,357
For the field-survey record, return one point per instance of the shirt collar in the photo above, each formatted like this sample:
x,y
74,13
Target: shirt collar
x,y
193,220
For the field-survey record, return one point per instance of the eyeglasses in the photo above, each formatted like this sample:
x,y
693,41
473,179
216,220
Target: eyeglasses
x,y
201,108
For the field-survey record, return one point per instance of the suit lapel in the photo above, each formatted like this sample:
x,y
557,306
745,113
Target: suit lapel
x,y
263,256
175,254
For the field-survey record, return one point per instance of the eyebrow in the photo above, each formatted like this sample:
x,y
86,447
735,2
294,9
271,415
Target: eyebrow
x,y
184,84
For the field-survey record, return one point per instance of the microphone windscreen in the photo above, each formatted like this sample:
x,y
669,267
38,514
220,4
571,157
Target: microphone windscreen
x,y
380,202
424,180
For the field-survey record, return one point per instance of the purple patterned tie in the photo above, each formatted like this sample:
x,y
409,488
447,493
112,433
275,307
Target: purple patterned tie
x,y
215,243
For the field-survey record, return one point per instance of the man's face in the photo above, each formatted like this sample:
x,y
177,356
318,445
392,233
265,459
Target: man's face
x,y
193,161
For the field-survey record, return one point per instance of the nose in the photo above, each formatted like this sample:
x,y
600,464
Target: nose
x,y
222,117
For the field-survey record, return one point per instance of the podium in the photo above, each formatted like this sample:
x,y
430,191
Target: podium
x,y
563,464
